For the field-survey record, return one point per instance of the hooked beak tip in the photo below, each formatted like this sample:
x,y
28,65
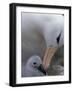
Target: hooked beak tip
x,y
41,68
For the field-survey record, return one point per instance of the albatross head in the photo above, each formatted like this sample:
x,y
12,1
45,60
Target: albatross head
x,y
35,62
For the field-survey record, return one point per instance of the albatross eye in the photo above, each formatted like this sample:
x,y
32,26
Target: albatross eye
x,y
34,63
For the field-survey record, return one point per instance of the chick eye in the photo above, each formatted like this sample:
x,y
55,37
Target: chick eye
x,y
34,63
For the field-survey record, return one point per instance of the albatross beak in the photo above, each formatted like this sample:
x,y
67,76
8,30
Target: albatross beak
x,y
40,68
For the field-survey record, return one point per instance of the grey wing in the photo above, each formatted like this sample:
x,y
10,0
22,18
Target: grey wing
x,y
56,70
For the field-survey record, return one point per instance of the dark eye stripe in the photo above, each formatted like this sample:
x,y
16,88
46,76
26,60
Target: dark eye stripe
x,y
58,38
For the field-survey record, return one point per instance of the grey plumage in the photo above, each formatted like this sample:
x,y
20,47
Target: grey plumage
x,y
55,70
40,31
31,67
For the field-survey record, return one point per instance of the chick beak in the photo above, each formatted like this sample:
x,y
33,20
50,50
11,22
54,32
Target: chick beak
x,y
41,68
